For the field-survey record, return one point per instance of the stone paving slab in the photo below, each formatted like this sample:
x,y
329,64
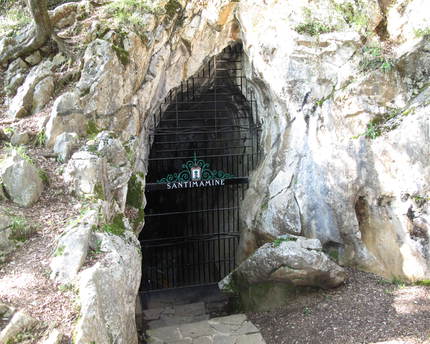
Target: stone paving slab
x,y
233,329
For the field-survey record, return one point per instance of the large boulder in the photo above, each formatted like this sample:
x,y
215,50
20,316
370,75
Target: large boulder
x,y
65,144
66,116
21,180
101,169
22,104
108,290
292,260
278,271
72,248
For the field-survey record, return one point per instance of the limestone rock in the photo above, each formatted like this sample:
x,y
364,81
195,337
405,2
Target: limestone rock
x,y
65,144
42,93
21,105
20,138
19,323
34,58
15,76
102,170
55,337
298,262
6,243
72,248
107,292
66,116
21,180
83,173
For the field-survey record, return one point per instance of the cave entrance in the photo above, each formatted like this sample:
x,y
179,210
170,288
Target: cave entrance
x,y
204,144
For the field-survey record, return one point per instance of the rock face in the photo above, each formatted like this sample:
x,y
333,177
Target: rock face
x,y
340,163
65,144
101,170
72,248
22,103
107,292
21,180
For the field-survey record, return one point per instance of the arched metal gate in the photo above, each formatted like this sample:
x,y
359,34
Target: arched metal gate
x,y
204,145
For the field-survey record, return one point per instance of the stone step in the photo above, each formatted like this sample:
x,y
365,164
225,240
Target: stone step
x,y
232,329
175,315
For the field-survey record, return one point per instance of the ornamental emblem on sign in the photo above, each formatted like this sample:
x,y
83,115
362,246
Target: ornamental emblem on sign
x,y
194,171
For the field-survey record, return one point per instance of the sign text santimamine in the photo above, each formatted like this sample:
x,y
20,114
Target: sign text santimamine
x,y
196,173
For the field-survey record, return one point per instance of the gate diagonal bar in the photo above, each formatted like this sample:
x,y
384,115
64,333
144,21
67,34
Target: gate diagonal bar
x,y
208,128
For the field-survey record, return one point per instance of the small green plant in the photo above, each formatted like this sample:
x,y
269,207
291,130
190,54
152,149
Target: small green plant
x,y
398,282
9,130
20,150
425,283
372,131
44,176
40,138
313,28
13,20
422,32
116,226
92,129
98,247
353,16
307,311
279,241
374,58
66,287
130,12
21,229
59,251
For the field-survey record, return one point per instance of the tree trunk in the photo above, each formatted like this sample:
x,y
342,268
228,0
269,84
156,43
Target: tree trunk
x,y
42,30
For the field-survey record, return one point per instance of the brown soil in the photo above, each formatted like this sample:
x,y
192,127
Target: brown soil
x,y
24,276
366,309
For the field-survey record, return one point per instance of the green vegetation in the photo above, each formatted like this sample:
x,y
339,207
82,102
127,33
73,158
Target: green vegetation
x,y
59,251
40,138
66,287
9,130
21,229
134,194
422,32
21,151
13,20
425,283
374,59
122,54
384,123
99,191
307,311
130,13
278,241
22,337
353,16
313,28
92,129
116,226
172,7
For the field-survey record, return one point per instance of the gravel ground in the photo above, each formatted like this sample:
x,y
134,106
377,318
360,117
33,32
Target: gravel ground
x,y
366,309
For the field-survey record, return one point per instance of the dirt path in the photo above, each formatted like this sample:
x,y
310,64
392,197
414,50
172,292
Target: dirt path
x,y
24,276
366,309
